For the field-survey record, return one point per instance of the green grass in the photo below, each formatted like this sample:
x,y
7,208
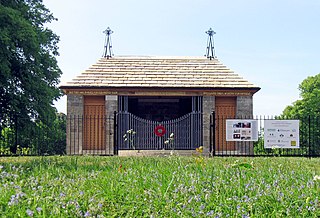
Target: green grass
x,y
159,187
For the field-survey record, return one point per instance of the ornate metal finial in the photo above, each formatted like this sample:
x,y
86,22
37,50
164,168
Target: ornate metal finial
x,y
108,45
210,44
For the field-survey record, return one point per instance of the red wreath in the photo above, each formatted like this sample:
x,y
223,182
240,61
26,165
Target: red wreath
x,y
160,131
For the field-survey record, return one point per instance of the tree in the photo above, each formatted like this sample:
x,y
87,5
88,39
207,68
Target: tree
x,y
307,110
29,73
309,105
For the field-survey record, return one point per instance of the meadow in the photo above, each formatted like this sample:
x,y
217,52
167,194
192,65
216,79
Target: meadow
x,y
172,186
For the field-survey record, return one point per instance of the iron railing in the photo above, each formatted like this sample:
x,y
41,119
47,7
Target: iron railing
x,y
135,133
309,138
92,135
68,135
25,136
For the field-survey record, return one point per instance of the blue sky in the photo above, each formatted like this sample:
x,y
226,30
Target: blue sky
x,y
273,44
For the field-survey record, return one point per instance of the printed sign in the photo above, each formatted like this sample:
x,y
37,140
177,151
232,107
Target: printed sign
x,y
281,133
241,130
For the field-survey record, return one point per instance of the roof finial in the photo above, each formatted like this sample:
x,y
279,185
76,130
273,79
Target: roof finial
x,y
108,45
210,44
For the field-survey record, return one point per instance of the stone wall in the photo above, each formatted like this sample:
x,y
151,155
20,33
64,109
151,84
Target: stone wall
x,y
207,108
244,107
244,111
111,107
74,124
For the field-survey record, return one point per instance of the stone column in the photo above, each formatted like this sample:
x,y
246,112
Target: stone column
x,y
111,107
74,124
207,108
244,107
244,111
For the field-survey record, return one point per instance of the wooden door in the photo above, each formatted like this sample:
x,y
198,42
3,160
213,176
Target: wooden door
x,y
225,108
94,123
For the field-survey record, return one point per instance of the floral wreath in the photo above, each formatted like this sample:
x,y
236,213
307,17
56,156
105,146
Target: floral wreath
x,y
160,131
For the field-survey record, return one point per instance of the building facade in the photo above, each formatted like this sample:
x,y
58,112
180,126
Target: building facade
x,y
158,102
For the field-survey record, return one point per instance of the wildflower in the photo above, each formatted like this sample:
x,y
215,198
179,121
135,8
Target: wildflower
x,y
316,177
29,212
247,185
62,194
1,167
210,213
87,214
39,209
131,131
13,200
200,149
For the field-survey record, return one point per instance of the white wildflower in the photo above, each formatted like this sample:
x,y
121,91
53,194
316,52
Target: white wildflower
x,y
316,177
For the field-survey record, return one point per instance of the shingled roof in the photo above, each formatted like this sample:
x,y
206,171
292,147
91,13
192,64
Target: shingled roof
x,y
159,72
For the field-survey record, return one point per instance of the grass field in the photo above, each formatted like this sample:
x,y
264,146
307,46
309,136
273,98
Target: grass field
x,y
159,187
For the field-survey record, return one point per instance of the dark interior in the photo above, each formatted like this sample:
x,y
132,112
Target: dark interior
x,y
160,108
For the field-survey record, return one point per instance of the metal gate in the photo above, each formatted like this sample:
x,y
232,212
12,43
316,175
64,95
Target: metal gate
x,y
135,133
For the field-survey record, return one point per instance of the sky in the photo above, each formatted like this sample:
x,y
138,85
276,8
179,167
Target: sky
x,y
274,44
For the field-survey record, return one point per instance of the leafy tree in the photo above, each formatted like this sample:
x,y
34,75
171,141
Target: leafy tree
x,y
309,105
29,73
307,110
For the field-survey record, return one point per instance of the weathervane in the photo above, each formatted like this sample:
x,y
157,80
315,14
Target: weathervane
x,y
210,44
108,45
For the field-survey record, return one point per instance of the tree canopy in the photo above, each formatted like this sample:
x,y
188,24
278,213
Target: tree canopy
x,y
309,104
29,73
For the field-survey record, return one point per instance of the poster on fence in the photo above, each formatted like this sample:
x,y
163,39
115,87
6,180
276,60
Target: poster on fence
x,y
241,130
281,133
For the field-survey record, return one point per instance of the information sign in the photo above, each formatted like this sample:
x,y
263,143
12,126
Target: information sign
x,y
281,133
241,130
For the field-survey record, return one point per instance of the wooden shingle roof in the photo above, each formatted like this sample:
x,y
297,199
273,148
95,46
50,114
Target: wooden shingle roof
x,y
158,72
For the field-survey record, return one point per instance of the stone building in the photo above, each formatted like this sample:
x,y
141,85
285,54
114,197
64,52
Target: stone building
x,y
151,99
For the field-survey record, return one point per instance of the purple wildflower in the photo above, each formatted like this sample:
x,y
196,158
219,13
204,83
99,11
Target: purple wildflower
x,y
87,214
62,194
210,213
29,212
13,200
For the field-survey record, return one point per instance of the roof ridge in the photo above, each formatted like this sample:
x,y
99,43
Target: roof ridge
x,y
151,57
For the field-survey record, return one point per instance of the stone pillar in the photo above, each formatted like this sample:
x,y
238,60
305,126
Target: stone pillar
x,y
244,107
111,107
74,124
207,108
244,111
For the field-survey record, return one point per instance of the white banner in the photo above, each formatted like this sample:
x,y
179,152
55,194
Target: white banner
x,y
281,133
241,130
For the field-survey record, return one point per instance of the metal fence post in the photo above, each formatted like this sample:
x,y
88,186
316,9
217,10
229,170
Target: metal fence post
x,y
309,135
16,134
115,133
213,136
